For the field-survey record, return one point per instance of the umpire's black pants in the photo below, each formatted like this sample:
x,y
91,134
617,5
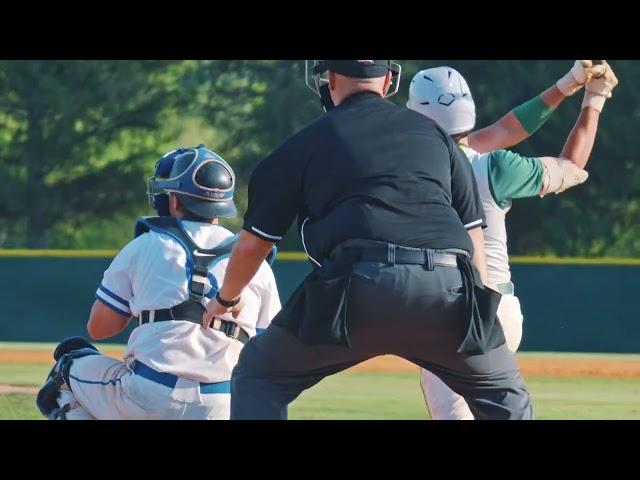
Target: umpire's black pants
x,y
404,310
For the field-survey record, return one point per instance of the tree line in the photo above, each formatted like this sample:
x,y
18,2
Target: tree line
x,y
78,139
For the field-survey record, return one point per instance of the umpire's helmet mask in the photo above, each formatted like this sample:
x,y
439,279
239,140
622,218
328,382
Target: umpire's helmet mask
x,y
316,72
203,181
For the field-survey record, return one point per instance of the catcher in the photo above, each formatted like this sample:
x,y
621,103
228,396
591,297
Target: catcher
x,y
172,368
443,95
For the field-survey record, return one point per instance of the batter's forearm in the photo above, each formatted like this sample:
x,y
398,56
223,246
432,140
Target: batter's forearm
x,y
519,124
246,258
552,96
532,114
479,255
525,119
582,137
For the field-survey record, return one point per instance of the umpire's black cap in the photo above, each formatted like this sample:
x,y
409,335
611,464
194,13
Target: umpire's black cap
x,y
360,68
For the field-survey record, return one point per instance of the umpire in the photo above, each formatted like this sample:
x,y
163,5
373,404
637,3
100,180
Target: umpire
x,y
388,212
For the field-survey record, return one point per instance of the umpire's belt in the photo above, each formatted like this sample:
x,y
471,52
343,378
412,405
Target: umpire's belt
x,y
170,380
230,329
395,254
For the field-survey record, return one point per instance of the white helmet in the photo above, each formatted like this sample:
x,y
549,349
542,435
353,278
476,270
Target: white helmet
x,y
442,94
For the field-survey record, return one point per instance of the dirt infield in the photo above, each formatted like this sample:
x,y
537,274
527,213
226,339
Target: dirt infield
x,y
538,367
530,365
15,389
40,356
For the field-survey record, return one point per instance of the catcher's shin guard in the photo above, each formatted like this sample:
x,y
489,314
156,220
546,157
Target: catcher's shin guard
x,y
47,398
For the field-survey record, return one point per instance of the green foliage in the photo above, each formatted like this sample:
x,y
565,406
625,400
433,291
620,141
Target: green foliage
x,y
78,138
81,136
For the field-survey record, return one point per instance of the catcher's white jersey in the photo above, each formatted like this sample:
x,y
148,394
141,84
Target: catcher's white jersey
x,y
172,369
149,274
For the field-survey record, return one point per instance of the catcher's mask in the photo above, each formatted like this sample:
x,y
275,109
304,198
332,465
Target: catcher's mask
x,y
317,75
203,181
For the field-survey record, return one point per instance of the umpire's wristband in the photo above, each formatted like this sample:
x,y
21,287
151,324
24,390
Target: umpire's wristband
x,y
227,303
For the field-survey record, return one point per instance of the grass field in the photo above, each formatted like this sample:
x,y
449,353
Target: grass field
x,y
388,394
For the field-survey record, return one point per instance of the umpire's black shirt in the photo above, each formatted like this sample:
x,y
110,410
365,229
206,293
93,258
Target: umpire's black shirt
x,y
367,169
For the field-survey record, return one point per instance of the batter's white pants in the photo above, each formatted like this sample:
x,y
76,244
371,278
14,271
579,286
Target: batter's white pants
x,y
445,404
104,388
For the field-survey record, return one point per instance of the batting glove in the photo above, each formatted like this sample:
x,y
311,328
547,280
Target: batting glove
x,y
580,73
598,90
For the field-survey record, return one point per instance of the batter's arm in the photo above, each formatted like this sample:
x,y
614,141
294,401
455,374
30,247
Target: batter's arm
x,y
521,122
568,170
479,256
582,137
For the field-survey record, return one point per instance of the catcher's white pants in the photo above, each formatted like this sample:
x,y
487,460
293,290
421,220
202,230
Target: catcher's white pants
x,y
104,388
445,404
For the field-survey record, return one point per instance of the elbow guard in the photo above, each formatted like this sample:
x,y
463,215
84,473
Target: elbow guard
x,y
560,174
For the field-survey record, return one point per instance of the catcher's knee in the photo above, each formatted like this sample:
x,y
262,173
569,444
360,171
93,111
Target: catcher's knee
x,y
64,354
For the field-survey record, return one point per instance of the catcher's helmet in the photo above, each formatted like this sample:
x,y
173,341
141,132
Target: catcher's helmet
x,y
442,94
203,181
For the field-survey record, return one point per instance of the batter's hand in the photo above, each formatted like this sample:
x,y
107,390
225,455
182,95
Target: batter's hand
x,y
581,72
603,85
214,309
598,90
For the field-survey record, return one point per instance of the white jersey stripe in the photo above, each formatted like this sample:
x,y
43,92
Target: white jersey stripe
x,y
112,301
473,224
305,246
266,235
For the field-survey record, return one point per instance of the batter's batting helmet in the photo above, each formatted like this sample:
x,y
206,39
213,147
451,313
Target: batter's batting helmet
x,y
203,181
442,94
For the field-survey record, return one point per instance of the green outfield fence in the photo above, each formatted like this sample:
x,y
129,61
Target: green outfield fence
x,y
569,304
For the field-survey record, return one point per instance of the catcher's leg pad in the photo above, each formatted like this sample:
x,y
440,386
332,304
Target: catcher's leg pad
x,y
64,354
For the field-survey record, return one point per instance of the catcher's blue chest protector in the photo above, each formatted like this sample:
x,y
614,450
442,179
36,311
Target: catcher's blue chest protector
x,y
199,262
